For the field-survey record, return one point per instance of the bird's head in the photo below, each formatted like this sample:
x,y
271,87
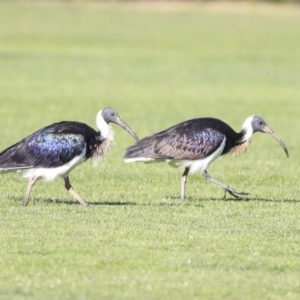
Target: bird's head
x,y
109,115
257,124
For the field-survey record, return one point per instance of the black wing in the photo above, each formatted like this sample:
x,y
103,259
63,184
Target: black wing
x,y
51,146
193,139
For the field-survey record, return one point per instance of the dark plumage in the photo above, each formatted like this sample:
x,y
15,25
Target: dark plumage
x,y
51,146
192,139
57,149
195,143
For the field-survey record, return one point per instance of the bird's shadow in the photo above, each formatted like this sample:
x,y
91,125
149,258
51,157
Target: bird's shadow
x,y
233,199
74,202
166,201
255,198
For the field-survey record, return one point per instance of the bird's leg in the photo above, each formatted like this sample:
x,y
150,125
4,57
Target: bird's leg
x,y
28,191
183,182
69,187
226,188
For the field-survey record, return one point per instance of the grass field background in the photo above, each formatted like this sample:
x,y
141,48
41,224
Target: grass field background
x,y
157,65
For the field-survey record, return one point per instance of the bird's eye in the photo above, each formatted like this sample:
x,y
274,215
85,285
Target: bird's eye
x,y
260,123
113,113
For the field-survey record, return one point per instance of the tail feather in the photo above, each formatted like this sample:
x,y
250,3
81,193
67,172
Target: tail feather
x,y
145,151
9,168
8,163
11,160
143,148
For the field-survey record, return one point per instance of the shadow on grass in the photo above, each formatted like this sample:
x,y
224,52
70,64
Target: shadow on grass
x,y
46,201
233,199
43,201
254,198
113,203
74,202
166,201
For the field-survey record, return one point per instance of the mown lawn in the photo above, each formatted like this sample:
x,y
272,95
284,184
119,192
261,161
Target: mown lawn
x,y
157,65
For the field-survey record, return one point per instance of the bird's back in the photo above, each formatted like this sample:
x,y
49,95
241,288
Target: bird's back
x,y
51,146
193,139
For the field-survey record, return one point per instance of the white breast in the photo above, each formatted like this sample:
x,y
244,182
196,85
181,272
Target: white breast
x,y
102,150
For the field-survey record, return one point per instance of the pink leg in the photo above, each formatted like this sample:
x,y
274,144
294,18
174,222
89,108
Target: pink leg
x,y
28,191
69,187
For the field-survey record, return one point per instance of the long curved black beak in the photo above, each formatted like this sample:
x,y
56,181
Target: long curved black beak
x,y
125,126
271,133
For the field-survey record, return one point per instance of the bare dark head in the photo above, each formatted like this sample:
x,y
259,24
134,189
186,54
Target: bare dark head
x,y
109,115
259,125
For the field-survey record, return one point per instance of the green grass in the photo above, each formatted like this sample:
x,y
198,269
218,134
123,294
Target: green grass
x,y
157,66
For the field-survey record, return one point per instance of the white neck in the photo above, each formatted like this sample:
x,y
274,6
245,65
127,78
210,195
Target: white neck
x,y
102,125
247,127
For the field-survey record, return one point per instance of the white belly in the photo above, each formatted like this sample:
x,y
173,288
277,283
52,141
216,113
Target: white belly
x,y
49,174
200,164
194,165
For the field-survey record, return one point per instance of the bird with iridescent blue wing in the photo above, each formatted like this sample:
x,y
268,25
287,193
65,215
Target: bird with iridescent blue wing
x,y
57,149
195,143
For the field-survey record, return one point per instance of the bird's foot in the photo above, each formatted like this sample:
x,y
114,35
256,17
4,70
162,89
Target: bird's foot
x,y
234,193
25,202
81,201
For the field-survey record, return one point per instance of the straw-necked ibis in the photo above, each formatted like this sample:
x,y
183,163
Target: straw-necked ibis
x,y
195,143
57,149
